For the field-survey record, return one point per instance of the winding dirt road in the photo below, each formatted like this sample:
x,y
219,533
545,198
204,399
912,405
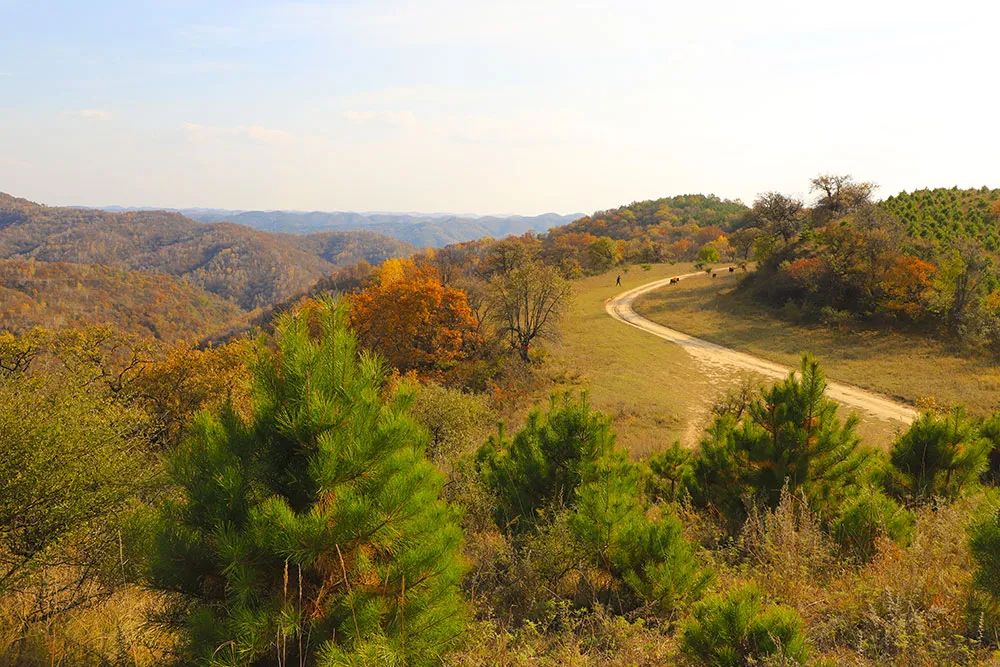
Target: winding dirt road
x,y
710,354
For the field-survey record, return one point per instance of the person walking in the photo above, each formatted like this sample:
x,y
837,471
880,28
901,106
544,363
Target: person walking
x,y
618,280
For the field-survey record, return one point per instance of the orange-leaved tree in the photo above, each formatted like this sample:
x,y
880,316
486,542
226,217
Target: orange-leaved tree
x,y
907,286
413,320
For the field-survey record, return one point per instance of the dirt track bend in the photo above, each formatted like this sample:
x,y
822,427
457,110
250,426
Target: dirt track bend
x,y
620,308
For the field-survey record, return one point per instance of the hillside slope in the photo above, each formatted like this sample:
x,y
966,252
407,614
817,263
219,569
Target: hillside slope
x,y
246,266
945,214
57,294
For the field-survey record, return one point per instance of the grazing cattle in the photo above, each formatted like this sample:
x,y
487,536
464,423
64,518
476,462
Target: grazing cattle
x,y
731,269
714,274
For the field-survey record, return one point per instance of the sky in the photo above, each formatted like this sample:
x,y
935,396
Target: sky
x,y
489,107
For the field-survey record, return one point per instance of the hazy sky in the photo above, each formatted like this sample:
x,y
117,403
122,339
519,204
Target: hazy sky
x,y
468,106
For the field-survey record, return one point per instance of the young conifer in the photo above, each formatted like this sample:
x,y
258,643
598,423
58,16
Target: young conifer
x,y
311,532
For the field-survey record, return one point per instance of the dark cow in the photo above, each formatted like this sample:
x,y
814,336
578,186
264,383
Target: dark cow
x,y
732,268
714,274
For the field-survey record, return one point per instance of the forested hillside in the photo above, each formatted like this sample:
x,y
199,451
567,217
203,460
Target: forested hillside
x,y
667,229
55,295
248,267
925,261
946,214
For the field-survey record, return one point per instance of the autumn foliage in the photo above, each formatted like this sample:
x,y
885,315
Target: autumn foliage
x,y
413,320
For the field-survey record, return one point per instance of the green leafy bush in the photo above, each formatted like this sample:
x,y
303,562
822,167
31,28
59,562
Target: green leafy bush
x,y
311,532
73,462
738,628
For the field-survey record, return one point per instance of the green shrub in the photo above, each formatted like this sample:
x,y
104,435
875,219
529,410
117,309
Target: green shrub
x,y
649,553
984,543
737,628
312,532
990,430
73,463
789,435
669,473
563,465
544,462
457,421
939,456
870,515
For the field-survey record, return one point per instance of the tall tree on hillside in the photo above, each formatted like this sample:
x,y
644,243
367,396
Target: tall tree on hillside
x,y
959,283
742,241
778,214
414,321
839,195
527,302
311,533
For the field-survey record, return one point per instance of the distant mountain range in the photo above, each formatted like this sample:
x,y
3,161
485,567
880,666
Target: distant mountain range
x,y
433,230
247,267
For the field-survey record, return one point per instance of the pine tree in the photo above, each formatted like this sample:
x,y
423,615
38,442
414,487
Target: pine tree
x,y
311,532
738,628
939,456
543,463
790,435
564,461
645,549
669,473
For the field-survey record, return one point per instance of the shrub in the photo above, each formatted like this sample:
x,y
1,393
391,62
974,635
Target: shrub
x,y
984,605
457,421
737,628
562,466
789,435
310,532
648,552
939,456
669,473
73,462
543,463
984,542
990,430
870,515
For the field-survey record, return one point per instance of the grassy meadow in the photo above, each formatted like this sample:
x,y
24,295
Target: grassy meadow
x,y
657,393
917,369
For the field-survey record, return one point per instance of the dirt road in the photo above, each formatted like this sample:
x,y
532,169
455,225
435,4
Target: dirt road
x,y
718,357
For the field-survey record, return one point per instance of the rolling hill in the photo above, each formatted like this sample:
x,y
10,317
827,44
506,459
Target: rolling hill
x,y
248,267
945,214
57,294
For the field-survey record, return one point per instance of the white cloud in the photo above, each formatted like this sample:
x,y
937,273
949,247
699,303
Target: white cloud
x,y
390,118
92,114
254,133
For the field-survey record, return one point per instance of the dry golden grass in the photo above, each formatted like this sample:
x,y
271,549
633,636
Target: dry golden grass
x,y
915,368
113,631
654,391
